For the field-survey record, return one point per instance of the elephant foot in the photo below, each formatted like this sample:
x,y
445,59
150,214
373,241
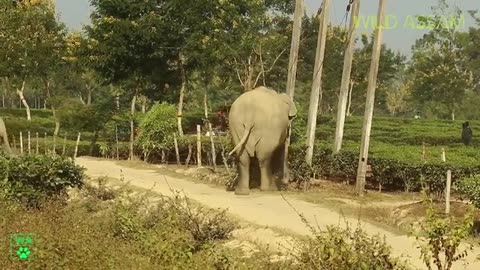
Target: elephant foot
x,y
242,191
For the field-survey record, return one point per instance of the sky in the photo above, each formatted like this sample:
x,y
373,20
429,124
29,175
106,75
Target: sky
x,y
75,13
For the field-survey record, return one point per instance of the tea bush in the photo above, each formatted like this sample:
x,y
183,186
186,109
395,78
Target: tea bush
x,y
32,179
470,187
392,174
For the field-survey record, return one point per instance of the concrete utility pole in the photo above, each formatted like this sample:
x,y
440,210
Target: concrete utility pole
x,y
292,74
317,81
372,84
347,70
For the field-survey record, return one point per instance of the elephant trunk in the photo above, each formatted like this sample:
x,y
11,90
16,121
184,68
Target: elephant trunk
x,y
247,131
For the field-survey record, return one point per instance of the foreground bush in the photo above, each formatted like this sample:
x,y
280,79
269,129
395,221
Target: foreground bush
x,y
441,237
32,179
105,229
347,249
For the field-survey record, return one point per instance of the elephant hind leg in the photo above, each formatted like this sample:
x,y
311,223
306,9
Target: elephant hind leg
x,y
243,187
266,179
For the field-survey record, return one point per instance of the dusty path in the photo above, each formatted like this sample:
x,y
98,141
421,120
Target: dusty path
x,y
262,209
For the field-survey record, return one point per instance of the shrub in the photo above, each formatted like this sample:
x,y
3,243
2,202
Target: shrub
x,y
440,238
470,187
32,179
153,236
345,248
390,173
157,128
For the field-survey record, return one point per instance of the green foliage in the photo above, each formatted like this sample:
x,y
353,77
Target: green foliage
x,y
392,173
470,187
440,238
32,179
157,128
80,235
346,248
439,71
32,36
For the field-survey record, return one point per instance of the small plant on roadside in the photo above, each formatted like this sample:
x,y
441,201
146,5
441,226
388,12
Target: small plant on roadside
x,y
344,248
440,238
204,225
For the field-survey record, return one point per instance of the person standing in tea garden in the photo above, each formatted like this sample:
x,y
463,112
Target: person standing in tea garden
x,y
467,134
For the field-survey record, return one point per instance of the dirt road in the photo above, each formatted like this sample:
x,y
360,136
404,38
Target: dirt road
x,y
262,209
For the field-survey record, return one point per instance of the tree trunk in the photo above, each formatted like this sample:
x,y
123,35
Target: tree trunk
x,y
57,122
89,97
93,143
82,101
346,74
132,126
292,75
54,113
205,105
182,96
315,97
24,101
4,138
249,80
370,102
144,104
349,113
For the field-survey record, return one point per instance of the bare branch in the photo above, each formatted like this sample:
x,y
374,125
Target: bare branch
x,y
263,72
238,72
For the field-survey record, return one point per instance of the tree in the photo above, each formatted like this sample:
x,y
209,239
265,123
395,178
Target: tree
x,y
130,48
391,63
397,97
439,72
32,44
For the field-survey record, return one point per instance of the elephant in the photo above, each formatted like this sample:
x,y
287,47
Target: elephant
x,y
259,121
4,138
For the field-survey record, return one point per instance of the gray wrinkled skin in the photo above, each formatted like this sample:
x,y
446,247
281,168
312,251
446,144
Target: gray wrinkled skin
x,y
261,118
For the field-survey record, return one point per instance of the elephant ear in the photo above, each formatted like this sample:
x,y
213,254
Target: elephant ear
x,y
292,111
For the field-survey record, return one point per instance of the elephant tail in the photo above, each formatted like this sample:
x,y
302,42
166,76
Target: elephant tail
x,y
247,131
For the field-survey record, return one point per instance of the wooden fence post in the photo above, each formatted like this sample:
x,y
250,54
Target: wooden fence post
x,y
36,146
424,152
21,143
214,154
64,144
199,146
447,192
54,150
116,140
76,146
189,156
45,143
29,143
177,152
448,184
14,143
